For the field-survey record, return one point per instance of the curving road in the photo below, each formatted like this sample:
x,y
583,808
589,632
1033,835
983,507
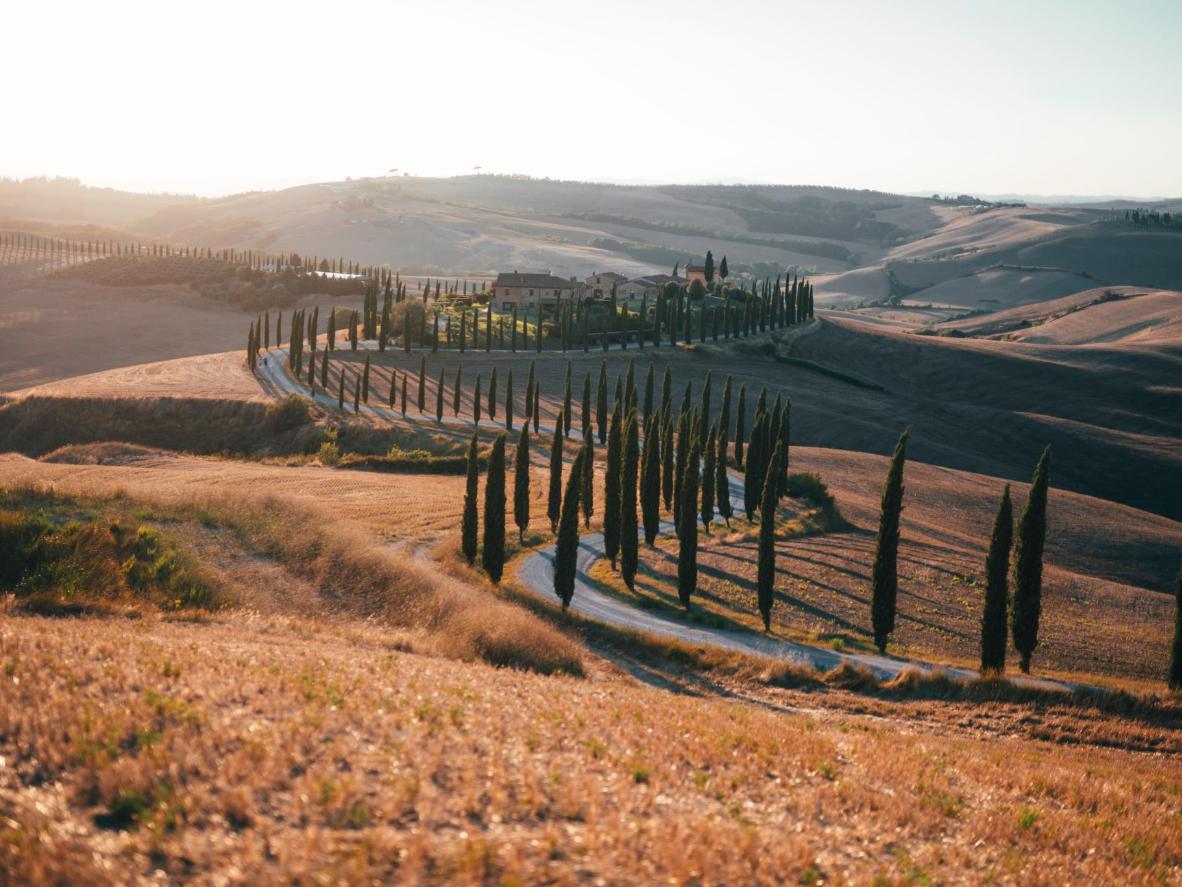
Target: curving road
x,y
537,573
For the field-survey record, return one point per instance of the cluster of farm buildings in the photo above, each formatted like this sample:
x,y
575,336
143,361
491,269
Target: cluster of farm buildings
x,y
516,290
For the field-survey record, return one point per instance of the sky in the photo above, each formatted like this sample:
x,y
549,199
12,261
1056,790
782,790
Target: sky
x,y
1033,97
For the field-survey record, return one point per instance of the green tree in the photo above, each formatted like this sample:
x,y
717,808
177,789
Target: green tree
x,y
709,453
476,401
629,533
668,461
649,384
679,463
704,409
458,394
492,555
468,521
723,271
588,491
357,392
587,405
997,571
650,485
566,400
365,382
724,417
611,486
722,484
1031,537
709,267
492,394
554,499
756,465
885,573
566,551
422,383
601,403
766,590
687,531
509,401
740,423
521,484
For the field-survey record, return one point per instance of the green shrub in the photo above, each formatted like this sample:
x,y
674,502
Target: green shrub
x,y
291,412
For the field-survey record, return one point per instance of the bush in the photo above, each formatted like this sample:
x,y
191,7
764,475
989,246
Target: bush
x,y
291,412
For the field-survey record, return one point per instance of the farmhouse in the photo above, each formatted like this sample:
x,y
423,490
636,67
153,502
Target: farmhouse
x,y
513,290
696,272
599,285
649,286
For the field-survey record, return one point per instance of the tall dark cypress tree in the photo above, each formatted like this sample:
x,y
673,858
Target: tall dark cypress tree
x,y
537,407
492,394
722,483
766,587
566,400
492,556
740,425
357,393
1174,678
601,416
365,382
666,391
1031,537
724,416
509,401
709,475
687,532
650,485
566,551
468,530
997,571
476,401
530,380
404,375
611,486
885,574
457,395
587,405
704,409
668,461
439,388
756,465
679,464
554,497
629,533
587,496
649,383
521,484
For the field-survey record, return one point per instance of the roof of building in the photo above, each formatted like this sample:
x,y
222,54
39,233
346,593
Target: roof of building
x,y
651,280
692,267
538,281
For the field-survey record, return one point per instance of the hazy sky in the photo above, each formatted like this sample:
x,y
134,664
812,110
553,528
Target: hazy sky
x,y
1034,96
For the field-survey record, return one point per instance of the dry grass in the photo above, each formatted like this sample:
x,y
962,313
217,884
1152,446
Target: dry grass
x,y
257,748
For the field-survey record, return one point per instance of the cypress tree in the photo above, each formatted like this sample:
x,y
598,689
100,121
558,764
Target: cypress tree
x,y
537,409
667,391
649,382
601,403
709,454
492,394
554,499
722,484
341,392
1031,536
324,370
357,393
740,422
704,409
440,385
521,483
404,395
587,405
650,485
458,394
365,382
530,381
885,575
476,402
1174,678
724,416
566,401
767,542
785,436
682,456
997,571
492,555
687,532
668,467
566,550
422,383
468,521
587,496
629,535
753,472
509,401
611,487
